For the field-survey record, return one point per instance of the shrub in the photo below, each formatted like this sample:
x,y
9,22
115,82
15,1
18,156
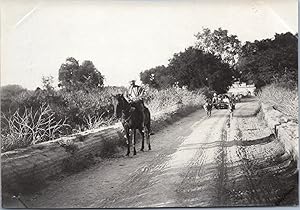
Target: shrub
x,y
29,128
86,110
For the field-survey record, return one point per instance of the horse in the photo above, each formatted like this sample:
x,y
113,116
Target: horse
x,y
208,107
131,118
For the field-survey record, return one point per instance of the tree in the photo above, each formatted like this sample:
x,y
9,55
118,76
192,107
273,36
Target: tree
x,y
192,68
47,82
270,60
157,77
219,43
195,69
73,76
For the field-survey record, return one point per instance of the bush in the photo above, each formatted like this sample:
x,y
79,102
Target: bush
x,y
30,128
283,99
86,110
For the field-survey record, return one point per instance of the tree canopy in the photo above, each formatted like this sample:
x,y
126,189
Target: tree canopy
x,y
73,76
270,60
209,63
192,68
219,43
157,77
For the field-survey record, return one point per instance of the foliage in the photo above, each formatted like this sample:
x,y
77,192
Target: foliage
x,y
74,77
270,60
9,94
283,99
29,128
96,103
48,83
64,112
93,122
192,68
220,44
75,107
157,77
163,100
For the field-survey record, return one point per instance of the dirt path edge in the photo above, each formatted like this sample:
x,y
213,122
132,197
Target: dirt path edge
x,y
284,128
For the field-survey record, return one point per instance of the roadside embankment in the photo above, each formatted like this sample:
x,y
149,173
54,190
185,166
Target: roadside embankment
x,y
27,169
261,169
284,127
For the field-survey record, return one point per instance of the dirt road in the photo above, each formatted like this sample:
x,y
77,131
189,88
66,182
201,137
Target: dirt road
x,y
197,161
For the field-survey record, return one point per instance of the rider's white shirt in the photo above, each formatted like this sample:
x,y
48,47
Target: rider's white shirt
x,y
135,92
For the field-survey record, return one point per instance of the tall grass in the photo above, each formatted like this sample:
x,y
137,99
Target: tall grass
x,y
82,111
283,99
169,99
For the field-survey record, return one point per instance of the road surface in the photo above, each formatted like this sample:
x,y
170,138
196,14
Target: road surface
x,y
195,162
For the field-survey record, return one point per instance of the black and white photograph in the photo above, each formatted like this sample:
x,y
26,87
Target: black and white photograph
x,y
149,104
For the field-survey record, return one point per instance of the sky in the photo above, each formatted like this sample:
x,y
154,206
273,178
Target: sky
x,y
123,37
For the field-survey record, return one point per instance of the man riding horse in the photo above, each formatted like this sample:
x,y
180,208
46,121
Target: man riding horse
x,y
135,95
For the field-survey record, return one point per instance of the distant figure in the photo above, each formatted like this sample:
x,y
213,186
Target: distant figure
x,y
226,99
231,107
208,107
232,98
215,100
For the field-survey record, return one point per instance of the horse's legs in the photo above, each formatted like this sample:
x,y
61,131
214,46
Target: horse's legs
x,y
147,129
134,140
143,137
148,136
127,141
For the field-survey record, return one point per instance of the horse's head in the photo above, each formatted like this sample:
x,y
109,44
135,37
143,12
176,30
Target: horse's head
x,y
118,102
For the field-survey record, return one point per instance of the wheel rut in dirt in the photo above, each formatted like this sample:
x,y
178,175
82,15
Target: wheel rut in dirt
x,y
201,181
179,171
195,162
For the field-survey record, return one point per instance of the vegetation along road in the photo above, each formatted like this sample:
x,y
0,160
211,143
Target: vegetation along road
x,y
197,161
